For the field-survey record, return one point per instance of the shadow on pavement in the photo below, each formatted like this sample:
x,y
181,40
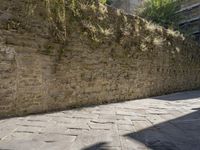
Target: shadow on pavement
x,y
98,146
178,134
180,96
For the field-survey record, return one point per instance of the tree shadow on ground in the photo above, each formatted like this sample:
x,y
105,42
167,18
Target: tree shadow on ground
x,y
180,96
178,134
98,146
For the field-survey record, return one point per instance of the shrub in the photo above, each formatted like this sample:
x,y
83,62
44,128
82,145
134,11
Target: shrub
x,y
109,2
160,11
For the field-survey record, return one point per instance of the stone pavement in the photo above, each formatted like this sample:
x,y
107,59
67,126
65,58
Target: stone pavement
x,y
170,122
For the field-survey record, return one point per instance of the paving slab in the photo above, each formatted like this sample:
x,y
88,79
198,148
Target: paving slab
x,y
170,122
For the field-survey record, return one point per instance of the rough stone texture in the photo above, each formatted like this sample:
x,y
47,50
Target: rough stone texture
x,y
169,122
8,79
122,57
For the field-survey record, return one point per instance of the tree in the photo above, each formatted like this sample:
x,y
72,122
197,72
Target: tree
x,y
159,11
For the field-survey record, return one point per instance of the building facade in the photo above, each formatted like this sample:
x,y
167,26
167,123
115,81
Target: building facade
x,y
190,18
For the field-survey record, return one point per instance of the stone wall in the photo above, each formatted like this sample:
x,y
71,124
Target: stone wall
x,y
8,70
122,57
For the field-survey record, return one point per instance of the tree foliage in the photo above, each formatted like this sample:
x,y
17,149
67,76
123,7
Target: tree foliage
x,y
160,11
109,2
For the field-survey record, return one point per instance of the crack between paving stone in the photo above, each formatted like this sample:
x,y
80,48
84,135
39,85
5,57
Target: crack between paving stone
x,y
96,122
24,132
3,138
24,125
49,141
120,138
58,134
78,128
97,128
36,120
